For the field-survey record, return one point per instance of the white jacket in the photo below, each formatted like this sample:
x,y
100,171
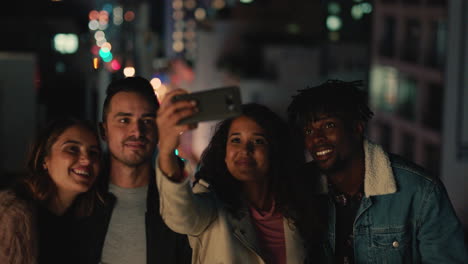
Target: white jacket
x,y
214,234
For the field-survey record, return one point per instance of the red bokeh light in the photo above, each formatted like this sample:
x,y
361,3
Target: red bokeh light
x,y
115,65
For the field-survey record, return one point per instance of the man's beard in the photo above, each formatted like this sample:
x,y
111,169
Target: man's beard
x,y
132,163
337,166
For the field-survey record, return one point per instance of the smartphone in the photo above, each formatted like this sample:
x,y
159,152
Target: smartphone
x,y
214,104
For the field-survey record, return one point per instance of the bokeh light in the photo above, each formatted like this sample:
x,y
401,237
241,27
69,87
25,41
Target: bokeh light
x,y
93,25
218,4
129,71
129,16
106,47
156,83
95,63
334,23
178,46
93,15
66,43
200,13
115,65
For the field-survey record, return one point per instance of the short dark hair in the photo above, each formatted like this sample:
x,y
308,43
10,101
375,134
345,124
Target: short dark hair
x,y
135,84
38,185
344,99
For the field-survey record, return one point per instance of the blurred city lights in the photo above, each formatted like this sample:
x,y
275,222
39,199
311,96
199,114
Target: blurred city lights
x,y
200,13
95,50
115,65
93,25
118,15
100,42
129,16
177,4
218,4
191,23
108,58
356,12
179,25
190,4
129,71
246,1
333,23
102,26
178,46
334,8
95,63
103,15
178,15
177,35
108,8
104,53
189,35
156,83
99,35
93,15
366,8
66,43
106,47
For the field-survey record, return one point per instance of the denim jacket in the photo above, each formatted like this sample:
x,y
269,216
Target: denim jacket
x,y
404,217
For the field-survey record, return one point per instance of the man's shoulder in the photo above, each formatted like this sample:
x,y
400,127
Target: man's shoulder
x,y
406,170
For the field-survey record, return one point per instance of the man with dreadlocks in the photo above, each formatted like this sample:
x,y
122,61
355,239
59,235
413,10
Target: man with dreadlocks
x,y
381,208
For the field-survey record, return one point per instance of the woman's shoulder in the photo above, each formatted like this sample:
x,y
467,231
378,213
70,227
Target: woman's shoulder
x,y
12,205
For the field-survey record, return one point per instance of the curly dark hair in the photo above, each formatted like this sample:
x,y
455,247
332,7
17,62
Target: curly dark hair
x,y
135,84
214,170
342,99
38,185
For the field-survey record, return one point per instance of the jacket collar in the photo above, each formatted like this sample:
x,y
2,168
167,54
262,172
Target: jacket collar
x,y
378,177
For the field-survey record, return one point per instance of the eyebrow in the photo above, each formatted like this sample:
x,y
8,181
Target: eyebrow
x,y
71,142
256,134
78,143
120,114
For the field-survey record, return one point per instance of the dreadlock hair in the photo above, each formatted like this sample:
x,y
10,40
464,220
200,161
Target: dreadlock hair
x,y
342,99
228,189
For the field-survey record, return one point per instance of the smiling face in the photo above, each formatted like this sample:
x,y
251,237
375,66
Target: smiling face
x,y
130,129
73,160
247,151
331,142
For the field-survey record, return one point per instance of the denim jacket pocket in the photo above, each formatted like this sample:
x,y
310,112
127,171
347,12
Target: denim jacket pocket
x,y
391,245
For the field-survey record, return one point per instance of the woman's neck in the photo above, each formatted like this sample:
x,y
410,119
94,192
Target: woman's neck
x,y
59,204
258,195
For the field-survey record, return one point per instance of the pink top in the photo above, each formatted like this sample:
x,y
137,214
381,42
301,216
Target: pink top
x,y
270,231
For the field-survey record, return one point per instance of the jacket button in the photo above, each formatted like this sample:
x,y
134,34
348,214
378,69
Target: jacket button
x,y
395,244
